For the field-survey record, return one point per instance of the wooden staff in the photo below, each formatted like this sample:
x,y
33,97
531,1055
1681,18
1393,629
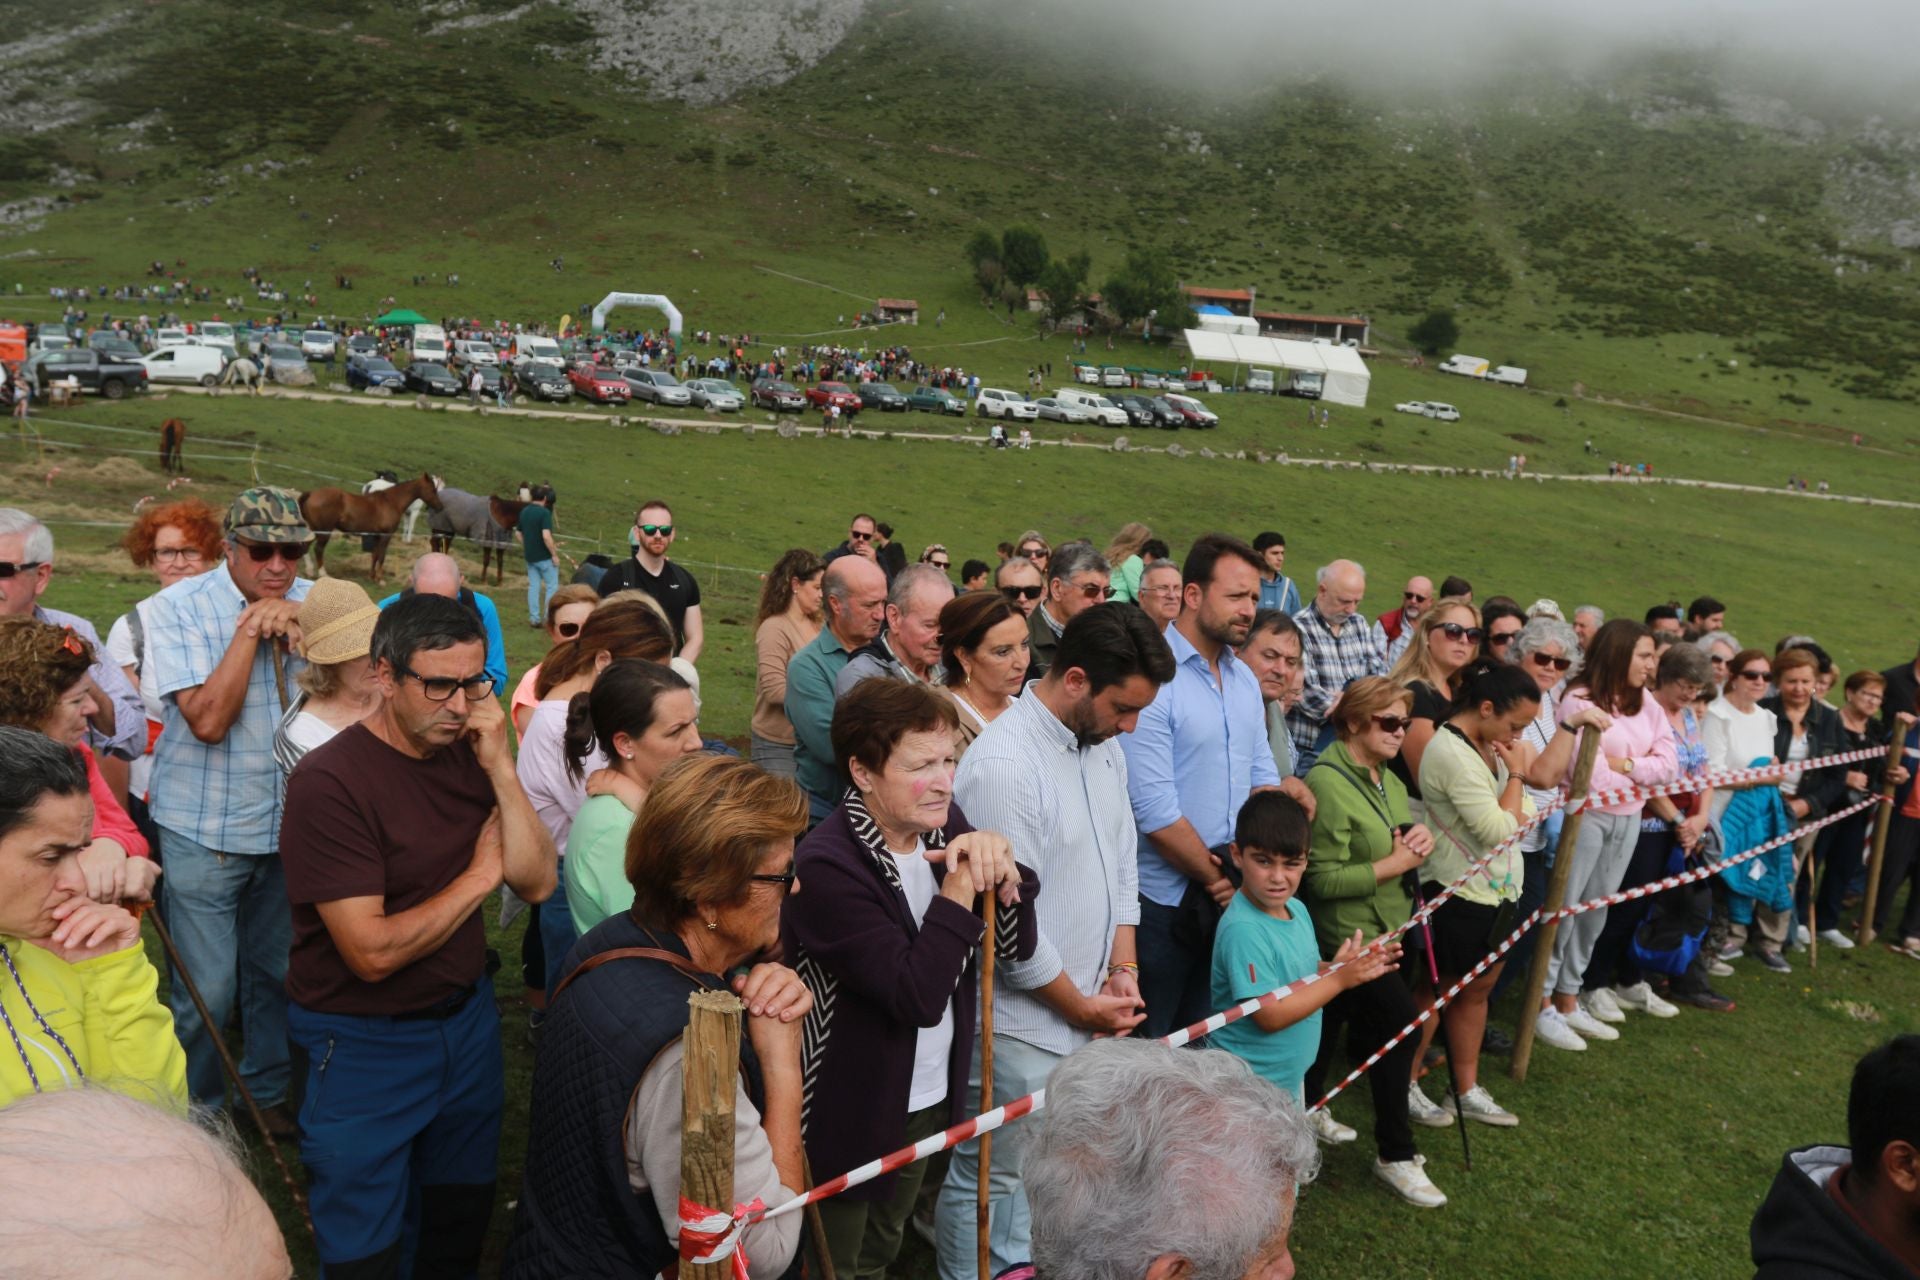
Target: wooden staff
x,y
276,651
1882,816
1556,898
710,1066
983,1217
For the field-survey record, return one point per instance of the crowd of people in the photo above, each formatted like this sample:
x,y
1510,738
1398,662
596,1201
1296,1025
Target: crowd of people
x,y
1169,785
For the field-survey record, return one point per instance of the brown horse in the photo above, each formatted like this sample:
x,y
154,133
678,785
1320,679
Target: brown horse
x,y
173,436
330,511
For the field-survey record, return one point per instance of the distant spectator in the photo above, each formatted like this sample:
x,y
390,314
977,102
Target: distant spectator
x,y
1077,579
1123,554
1501,619
1705,616
974,576
787,622
668,583
1276,589
1160,591
1664,619
1587,619
1455,585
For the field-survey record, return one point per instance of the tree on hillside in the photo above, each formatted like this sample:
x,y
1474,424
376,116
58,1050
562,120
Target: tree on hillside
x,y
983,255
1023,254
1436,330
1147,284
1064,285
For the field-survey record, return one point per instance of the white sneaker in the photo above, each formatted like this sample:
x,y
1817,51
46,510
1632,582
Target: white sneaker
x,y
1552,1027
1329,1130
1643,997
1409,1178
1477,1104
1799,942
1421,1110
1589,1026
1600,1004
1720,969
1835,938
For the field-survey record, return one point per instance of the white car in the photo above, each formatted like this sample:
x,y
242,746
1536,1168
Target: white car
x,y
318,344
1115,376
1054,410
657,386
164,338
1097,407
996,402
1442,411
1412,406
473,351
1086,373
717,394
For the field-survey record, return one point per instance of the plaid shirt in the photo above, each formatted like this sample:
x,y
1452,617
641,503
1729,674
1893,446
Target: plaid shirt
x,y
225,795
1329,662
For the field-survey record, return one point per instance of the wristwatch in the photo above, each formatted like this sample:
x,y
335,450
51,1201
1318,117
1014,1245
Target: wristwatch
x,y
1626,765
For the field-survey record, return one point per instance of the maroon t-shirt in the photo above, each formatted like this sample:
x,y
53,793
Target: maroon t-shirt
x,y
364,820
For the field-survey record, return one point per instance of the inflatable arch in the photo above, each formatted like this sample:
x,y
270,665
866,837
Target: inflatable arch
x,y
657,301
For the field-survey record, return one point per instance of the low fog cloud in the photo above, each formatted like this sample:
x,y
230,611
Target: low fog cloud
x,y
1848,46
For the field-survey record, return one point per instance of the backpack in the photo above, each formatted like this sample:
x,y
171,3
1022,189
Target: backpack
x,y
1670,936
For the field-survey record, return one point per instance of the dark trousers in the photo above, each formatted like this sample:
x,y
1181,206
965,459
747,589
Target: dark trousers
x,y
1612,964
1369,1014
1533,893
1175,968
1900,866
1837,849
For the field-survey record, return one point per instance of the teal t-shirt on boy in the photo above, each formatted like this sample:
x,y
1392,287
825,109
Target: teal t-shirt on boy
x,y
1253,953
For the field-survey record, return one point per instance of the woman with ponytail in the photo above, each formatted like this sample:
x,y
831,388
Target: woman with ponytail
x,y
620,628
640,718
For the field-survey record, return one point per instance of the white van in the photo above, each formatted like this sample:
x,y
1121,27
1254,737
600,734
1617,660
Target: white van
x,y
532,347
429,342
1508,375
186,363
1260,380
474,351
1104,411
1465,365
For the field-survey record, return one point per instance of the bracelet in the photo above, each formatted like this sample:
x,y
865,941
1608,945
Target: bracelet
x,y
1124,966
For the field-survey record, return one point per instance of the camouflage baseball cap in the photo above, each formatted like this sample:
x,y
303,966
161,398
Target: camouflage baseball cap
x,y
267,513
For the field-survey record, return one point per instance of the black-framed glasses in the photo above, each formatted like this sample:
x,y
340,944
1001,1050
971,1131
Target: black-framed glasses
x,y
12,570
1393,724
941,564
1542,661
1501,639
786,879
167,555
1756,675
442,688
1021,593
657,530
1454,631
854,535
1035,553
261,552
1415,597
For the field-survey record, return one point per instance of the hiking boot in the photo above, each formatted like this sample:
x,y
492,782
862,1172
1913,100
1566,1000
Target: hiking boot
x,y
1409,1179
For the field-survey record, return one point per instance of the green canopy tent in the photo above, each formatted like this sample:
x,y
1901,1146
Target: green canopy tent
x,y
403,316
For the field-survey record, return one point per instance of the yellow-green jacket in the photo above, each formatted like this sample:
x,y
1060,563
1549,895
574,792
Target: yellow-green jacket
x,y
107,1012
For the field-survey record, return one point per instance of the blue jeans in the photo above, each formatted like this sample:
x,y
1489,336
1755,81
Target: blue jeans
x,y
229,918
1175,973
400,1133
557,935
543,579
1018,1069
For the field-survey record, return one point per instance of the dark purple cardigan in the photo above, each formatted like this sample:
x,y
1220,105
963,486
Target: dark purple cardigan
x,y
878,977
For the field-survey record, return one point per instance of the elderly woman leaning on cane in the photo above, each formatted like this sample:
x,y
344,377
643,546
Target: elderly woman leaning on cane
x,y
711,862
888,934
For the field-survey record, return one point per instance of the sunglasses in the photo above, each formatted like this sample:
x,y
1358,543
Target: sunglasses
x,y
1542,661
1035,553
9,570
1454,631
441,688
261,552
941,564
1393,724
1718,661
854,535
1755,675
567,630
1502,639
785,880
1094,591
1414,597
656,530
1021,593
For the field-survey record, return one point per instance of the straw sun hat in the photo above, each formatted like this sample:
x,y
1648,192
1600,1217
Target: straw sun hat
x,y
336,622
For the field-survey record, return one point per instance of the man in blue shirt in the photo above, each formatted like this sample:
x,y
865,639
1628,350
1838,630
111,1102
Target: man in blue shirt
x,y
1198,752
1276,588
854,595
439,574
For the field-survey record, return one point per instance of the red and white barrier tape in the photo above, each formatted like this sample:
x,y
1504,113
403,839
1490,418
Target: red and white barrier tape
x,y
1541,916
708,1235
1723,778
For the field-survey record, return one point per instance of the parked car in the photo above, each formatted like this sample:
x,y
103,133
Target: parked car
x,y
472,351
164,338
1115,376
1086,373
1412,406
1144,411
657,386
1152,381
1441,411
531,346
96,371
602,386
361,344
1097,407
716,394
430,378
883,396
822,394
777,394
365,372
490,376
937,400
287,366
216,331
1196,414
543,381
107,342
994,402
319,344
185,363
1054,409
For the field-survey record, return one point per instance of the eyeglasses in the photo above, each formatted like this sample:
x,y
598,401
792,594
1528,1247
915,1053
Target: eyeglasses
x,y
441,688
1755,675
167,555
1094,591
1169,589
854,535
785,880
1414,597
1542,661
1501,639
567,630
261,552
1393,724
657,530
1454,631
1021,593
1718,661
9,570
1035,553
941,564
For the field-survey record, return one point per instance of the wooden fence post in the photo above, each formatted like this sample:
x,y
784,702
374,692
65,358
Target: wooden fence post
x,y
1556,898
709,1075
1882,816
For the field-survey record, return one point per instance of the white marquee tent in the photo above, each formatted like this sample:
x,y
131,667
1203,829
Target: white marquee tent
x,y
1346,375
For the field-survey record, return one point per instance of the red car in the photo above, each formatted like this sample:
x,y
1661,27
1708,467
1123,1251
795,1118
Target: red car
x,y
822,394
602,386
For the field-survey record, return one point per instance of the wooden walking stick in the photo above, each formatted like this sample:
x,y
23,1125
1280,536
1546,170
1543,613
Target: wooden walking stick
x,y
1882,816
1556,898
983,1216
710,1065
